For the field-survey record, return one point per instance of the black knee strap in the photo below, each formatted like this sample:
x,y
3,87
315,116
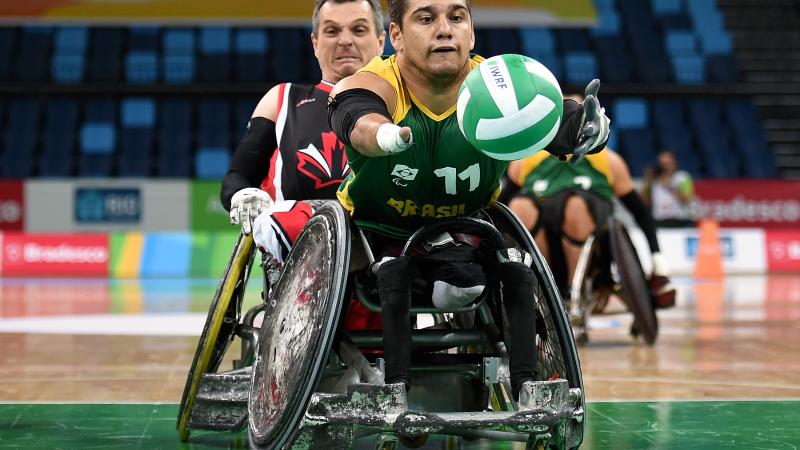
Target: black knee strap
x,y
518,283
394,286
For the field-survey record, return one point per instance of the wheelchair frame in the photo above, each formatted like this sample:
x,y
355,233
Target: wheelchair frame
x,y
551,417
631,287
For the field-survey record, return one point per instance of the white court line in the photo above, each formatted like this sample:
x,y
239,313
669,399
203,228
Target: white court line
x,y
103,324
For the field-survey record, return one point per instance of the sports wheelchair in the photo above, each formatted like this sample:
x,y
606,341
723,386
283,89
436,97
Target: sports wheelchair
x,y
294,388
608,264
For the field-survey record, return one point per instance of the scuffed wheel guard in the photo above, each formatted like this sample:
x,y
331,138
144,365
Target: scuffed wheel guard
x,y
299,326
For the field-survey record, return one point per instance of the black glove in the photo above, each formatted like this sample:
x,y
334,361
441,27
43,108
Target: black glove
x,y
594,129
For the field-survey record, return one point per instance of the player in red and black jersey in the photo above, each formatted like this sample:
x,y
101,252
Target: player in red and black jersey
x,y
289,156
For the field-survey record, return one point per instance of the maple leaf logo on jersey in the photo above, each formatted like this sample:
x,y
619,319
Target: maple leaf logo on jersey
x,y
327,167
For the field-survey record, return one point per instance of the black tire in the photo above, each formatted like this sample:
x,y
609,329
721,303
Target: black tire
x,y
635,290
299,327
220,328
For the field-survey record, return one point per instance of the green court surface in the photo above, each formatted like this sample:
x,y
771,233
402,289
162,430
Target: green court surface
x,y
610,425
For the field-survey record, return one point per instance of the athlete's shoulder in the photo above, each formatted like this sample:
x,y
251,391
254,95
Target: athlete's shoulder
x,y
383,67
529,164
475,60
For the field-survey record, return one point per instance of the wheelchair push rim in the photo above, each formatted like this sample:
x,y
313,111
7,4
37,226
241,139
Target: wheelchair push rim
x,y
211,345
298,329
635,290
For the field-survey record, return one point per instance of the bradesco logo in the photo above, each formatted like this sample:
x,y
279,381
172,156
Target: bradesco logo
x,y
55,255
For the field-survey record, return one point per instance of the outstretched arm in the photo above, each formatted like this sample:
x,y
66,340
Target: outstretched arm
x,y
359,114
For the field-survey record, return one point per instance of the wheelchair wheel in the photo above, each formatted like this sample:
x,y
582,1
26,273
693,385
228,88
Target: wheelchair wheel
x,y
220,328
558,356
634,282
298,329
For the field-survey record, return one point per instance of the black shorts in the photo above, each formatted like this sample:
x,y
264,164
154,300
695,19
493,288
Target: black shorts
x,y
551,210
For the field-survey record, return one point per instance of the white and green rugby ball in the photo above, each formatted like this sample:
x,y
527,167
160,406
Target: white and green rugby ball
x,y
509,107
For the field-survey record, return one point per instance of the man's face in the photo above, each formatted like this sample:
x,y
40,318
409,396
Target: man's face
x,y
436,36
667,162
346,39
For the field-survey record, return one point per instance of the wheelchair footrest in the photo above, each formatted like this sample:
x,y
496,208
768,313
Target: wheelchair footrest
x,y
548,408
221,402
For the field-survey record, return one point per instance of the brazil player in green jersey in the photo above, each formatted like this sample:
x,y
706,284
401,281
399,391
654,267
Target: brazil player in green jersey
x,y
411,165
562,204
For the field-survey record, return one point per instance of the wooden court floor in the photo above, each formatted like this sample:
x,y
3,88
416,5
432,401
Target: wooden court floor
x,y
102,364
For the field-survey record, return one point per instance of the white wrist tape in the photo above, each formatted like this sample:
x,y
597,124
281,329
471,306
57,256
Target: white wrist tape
x,y
389,139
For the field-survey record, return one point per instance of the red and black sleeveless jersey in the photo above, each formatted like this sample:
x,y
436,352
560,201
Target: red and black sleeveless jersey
x,y
310,162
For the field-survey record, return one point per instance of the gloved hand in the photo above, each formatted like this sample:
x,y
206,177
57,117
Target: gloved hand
x,y
246,205
594,126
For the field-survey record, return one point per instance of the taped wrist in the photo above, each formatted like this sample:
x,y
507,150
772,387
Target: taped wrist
x,y
644,219
348,106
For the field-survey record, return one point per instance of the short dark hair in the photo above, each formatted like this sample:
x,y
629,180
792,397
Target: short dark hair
x,y
377,13
398,7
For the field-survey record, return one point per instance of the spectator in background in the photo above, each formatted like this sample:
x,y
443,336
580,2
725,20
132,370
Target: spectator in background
x,y
669,192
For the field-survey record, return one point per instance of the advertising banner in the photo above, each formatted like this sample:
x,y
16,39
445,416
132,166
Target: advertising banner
x,y
742,250
749,203
106,205
55,255
12,205
485,12
783,250
207,213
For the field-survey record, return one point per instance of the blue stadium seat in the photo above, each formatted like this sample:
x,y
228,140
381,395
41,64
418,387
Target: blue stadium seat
x,y
141,67
719,158
251,46
630,113
138,113
178,62
680,43
174,153
105,54
178,68
715,42
8,42
71,40
66,68
608,24
215,49
211,162
705,113
537,40
688,69
667,7
32,55
143,38
581,67
98,138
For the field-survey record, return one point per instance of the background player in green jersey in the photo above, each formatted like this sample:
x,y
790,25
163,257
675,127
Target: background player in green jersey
x,y
563,203
410,164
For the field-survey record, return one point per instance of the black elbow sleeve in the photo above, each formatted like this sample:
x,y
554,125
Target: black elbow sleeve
x,y
250,162
348,106
633,203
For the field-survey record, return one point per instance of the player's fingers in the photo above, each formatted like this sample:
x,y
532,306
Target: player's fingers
x,y
592,88
405,134
590,108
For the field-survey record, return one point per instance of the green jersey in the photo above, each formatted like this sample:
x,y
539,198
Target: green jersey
x,y
441,175
544,175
